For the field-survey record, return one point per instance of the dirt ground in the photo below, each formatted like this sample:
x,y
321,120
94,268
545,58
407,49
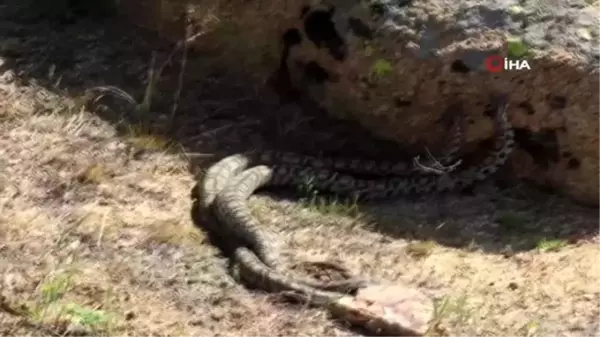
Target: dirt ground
x,y
95,230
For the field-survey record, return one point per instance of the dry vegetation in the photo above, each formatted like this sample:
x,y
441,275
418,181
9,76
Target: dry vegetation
x,y
96,236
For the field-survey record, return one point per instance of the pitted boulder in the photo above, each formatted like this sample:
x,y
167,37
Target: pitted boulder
x,y
398,66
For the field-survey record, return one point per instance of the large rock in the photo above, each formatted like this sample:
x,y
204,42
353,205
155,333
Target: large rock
x,y
397,66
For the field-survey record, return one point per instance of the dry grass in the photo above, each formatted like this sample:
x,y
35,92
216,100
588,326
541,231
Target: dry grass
x,y
96,241
96,238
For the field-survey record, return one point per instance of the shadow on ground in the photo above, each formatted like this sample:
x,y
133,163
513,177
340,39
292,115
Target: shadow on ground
x,y
219,111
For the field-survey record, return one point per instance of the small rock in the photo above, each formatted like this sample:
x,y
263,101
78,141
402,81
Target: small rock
x,y
388,310
129,315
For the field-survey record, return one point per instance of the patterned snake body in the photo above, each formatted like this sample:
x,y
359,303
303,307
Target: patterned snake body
x,y
226,188
376,168
236,218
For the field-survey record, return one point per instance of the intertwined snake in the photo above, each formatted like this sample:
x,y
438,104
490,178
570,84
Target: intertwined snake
x,y
237,222
236,219
227,185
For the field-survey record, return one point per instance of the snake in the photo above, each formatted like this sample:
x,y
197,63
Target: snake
x,y
241,225
230,205
222,196
376,168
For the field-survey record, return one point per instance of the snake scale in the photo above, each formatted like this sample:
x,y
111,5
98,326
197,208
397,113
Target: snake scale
x,y
226,186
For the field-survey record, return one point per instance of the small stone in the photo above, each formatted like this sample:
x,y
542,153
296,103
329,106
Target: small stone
x,y
585,34
388,310
129,315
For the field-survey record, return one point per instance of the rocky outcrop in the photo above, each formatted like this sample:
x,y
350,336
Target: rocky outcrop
x,y
398,66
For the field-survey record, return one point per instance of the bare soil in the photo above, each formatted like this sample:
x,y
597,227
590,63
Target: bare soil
x,y
96,236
